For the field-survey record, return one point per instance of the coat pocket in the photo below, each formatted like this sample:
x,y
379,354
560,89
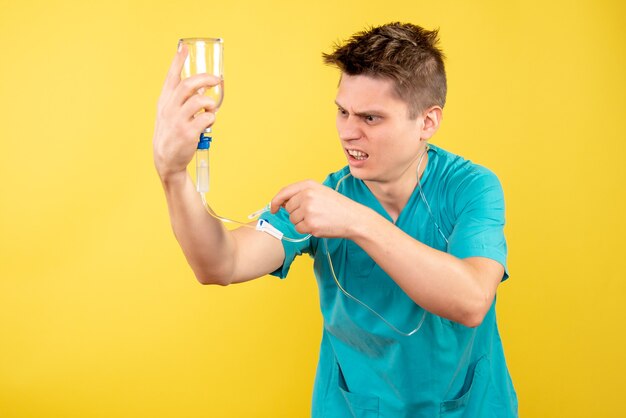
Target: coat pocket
x,y
470,402
360,405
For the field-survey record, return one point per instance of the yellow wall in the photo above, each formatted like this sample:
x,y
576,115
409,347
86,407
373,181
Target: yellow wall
x,y
100,315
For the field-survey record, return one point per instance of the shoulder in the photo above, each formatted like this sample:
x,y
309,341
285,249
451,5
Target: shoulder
x,y
465,181
453,167
334,178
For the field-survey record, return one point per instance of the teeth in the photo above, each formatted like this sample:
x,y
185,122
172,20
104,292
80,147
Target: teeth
x,y
357,154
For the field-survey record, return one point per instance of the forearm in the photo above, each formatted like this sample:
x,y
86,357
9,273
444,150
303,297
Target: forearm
x,y
435,280
207,245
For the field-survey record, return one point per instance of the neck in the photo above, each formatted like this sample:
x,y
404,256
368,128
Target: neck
x,y
393,195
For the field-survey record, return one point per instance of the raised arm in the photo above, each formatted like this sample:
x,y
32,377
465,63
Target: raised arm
x,y
216,255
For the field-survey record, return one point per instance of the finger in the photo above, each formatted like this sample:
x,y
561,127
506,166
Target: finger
x,y
190,86
303,228
173,75
296,217
285,194
296,202
195,104
202,121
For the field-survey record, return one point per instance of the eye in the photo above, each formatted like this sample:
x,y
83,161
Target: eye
x,y
342,112
371,118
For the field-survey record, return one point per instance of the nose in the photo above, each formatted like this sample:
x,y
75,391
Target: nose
x,y
348,128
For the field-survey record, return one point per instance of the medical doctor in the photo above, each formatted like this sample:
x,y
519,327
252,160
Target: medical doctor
x,y
407,239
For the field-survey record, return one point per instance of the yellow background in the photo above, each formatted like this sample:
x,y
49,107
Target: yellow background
x,y
101,317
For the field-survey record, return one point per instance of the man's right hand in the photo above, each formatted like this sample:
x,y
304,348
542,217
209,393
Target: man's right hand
x,y
178,122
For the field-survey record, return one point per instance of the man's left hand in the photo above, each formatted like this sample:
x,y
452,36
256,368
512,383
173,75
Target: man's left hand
x,y
318,210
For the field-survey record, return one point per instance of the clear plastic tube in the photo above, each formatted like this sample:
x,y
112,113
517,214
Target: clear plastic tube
x,y
247,224
202,170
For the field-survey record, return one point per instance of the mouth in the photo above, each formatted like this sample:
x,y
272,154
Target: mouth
x,y
357,155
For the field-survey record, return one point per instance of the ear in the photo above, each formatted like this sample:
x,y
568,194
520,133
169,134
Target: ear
x,y
432,119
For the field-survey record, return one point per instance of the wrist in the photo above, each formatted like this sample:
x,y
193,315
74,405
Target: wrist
x,y
361,220
173,178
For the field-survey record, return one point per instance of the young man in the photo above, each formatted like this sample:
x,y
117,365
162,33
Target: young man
x,y
407,239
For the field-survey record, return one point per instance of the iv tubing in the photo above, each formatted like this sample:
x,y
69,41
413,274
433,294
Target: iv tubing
x,y
244,224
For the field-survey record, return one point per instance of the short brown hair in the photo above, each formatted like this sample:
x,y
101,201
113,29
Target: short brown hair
x,y
402,52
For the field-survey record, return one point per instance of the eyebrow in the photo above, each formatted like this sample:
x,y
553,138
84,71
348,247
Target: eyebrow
x,y
366,112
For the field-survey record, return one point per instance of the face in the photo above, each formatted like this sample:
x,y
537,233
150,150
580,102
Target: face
x,y
379,140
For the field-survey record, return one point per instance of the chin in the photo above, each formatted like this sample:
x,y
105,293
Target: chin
x,y
359,173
